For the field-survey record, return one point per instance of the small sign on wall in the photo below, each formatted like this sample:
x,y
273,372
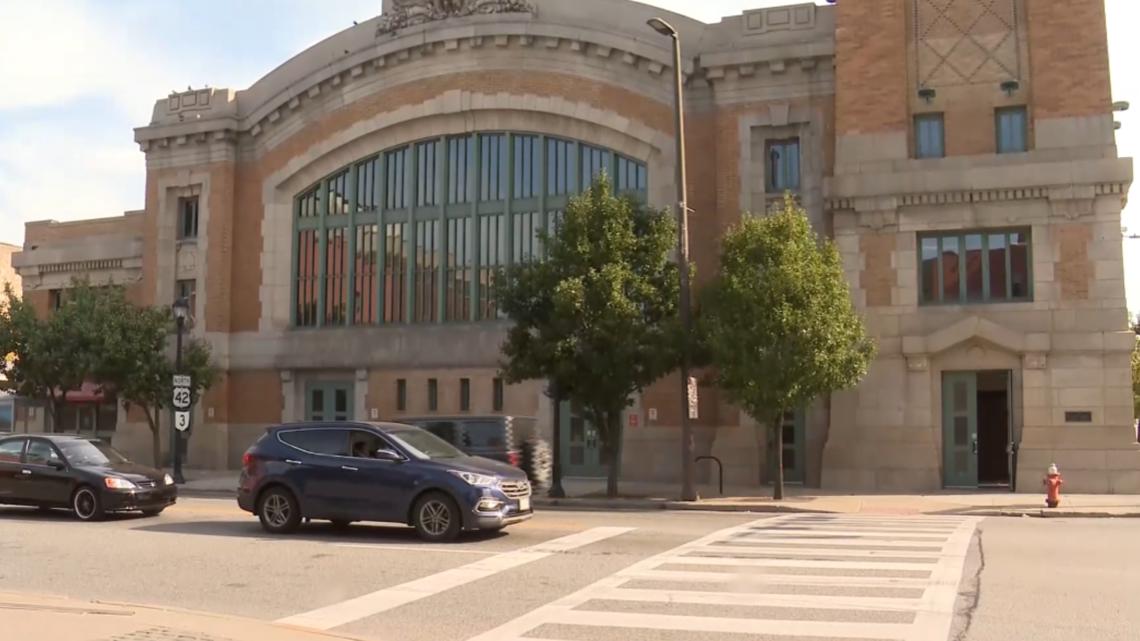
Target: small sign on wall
x,y
633,420
653,414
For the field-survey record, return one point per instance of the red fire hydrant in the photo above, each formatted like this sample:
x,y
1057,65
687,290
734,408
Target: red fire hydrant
x,y
1053,483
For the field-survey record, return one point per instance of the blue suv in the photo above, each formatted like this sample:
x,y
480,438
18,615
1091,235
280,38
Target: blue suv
x,y
347,471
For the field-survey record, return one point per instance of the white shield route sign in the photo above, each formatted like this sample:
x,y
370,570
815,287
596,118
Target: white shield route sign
x,y
181,400
182,421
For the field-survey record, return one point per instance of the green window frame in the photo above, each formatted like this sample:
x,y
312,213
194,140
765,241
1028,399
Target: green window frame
x,y
998,266
416,234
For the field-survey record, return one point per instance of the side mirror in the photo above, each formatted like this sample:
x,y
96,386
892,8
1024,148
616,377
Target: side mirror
x,y
386,454
56,465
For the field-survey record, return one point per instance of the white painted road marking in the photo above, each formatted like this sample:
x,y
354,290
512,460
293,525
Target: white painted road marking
x,y
929,599
386,599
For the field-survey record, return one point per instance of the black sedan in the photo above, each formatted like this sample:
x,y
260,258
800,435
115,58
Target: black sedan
x,y
87,476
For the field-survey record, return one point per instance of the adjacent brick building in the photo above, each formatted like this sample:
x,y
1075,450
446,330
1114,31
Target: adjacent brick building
x,y
335,223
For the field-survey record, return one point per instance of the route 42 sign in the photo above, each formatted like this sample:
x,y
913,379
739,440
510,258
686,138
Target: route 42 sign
x,y
181,399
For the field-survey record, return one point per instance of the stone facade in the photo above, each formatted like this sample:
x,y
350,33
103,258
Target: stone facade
x,y
844,82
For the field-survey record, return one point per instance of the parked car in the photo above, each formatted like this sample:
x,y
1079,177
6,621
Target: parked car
x,y
389,472
510,439
86,475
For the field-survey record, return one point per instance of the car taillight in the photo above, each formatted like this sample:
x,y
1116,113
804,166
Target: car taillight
x,y
247,460
513,458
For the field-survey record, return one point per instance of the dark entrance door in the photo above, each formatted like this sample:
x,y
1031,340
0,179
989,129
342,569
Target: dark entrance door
x,y
993,428
328,401
976,428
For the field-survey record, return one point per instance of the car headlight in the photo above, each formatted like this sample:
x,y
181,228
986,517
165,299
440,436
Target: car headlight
x,y
478,480
118,484
167,480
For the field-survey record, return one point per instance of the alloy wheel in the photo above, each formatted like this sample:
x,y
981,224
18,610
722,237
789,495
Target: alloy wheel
x,y
435,517
84,504
276,510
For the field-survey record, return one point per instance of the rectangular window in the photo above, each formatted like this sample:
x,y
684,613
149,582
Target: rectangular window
x,y
55,299
364,285
433,394
458,276
559,167
187,217
594,162
528,174
401,394
395,194
492,255
464,395
427,271
308,204
460,158
367,185
493,167
497,395
975,267
1012,130
425,176
336,276
187,289
338,194
783,165
395,274
527,236
630,176
307,285
929,136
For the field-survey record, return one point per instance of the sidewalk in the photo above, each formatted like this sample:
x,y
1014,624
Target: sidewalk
x,y
589,494
25,617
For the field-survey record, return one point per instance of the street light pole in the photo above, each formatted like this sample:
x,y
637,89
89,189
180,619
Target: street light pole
x,y
181,309
688,490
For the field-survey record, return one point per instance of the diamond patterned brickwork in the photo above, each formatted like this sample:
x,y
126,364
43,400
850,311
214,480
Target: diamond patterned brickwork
x,y
966,42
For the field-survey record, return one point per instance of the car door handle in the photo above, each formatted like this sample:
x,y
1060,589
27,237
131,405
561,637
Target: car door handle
x,y
292,462
349,468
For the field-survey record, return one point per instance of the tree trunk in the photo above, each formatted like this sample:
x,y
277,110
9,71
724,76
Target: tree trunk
x,y
778,482
612,450
155,441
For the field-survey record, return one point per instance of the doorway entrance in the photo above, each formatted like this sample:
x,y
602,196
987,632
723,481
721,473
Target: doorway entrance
x,y
793,454
581,445
976,429
328,401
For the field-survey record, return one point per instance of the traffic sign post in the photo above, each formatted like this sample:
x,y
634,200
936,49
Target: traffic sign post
x,y
180,400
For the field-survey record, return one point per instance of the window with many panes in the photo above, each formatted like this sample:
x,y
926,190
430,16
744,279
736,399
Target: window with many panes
x,y
187,289
929,136
975,267
433,394
417,234
497,395
1011,126
464,394
187,217
783,165
401,394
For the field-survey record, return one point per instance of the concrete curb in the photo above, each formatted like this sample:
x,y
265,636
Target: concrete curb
x,y
1045,513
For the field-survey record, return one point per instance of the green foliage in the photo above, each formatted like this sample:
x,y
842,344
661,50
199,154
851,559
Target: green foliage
x,y
598,317
778,321
1136,380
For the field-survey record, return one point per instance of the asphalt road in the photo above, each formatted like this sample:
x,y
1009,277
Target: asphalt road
x,y
602,576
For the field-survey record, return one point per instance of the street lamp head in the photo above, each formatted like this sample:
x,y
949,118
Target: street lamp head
x,y
181,309
662,27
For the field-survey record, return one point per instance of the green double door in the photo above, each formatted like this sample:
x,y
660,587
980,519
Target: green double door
x,y
581,445
960,429
793,452
328,401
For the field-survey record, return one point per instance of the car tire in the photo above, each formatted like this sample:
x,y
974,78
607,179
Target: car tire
x,y
150,513
436,518
85,504
278,511
538,463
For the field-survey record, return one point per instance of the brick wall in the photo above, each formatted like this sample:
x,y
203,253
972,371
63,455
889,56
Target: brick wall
x,y
871,78
245,397
1068,45
51,231
878,276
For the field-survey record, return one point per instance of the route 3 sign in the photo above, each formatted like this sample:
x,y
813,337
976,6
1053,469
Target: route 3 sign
x,y
182,420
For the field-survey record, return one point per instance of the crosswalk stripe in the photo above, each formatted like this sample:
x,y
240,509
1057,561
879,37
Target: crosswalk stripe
x,y
786,627
759,599
744,541
745,551
885,564
783,579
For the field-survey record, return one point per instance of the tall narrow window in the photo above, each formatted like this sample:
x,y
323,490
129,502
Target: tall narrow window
x,y
395,275
427,271
458,293
1012,130
336,276
492,250
187,218
187,289
396,196
364,284
497,395
527,178
559,167
783,166
460,157
493,167
55,299
464,395
433,394
401,394
425,174
338,194
929,136
307,285
367,185
594,162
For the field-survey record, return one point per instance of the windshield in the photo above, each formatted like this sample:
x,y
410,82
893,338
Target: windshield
x,y
423,444
90,453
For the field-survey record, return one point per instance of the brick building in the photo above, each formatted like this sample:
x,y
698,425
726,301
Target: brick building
x,y
336,221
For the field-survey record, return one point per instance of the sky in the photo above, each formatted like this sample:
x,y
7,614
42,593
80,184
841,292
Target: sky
x,y
78,75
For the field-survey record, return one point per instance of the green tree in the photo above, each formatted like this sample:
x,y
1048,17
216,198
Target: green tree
x,y
598,317
778,320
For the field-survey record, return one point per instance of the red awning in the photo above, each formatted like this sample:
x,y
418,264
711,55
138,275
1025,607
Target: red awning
x,y
87,393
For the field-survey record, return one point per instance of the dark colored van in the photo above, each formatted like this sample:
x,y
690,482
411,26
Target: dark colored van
x,y
510,439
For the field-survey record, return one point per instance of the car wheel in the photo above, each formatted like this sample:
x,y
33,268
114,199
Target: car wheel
x,y
538,463
86,504
436,518
279,511
152,512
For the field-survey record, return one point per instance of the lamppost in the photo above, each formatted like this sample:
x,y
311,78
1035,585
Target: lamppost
x,y
688,491
181,308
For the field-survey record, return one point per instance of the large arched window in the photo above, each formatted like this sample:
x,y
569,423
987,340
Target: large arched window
x,y
415,234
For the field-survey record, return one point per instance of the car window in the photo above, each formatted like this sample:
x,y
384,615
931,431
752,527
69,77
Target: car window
x,y
40,453
364,444
443,429
423,444
81,452
490,434
328,441
10,450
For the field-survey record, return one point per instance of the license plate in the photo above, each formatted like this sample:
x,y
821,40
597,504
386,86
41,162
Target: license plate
x,y
524,504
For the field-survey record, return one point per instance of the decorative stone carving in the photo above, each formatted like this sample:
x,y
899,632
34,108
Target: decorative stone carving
x,y
1034,361
965,42
409,13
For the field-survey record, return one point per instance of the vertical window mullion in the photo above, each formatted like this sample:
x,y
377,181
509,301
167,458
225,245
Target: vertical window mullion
x,y
382,235
322,251
443,178
411,183
350,311
1009,266
985,266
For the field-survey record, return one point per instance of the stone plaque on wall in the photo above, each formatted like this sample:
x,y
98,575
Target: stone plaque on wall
x,y
965,42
